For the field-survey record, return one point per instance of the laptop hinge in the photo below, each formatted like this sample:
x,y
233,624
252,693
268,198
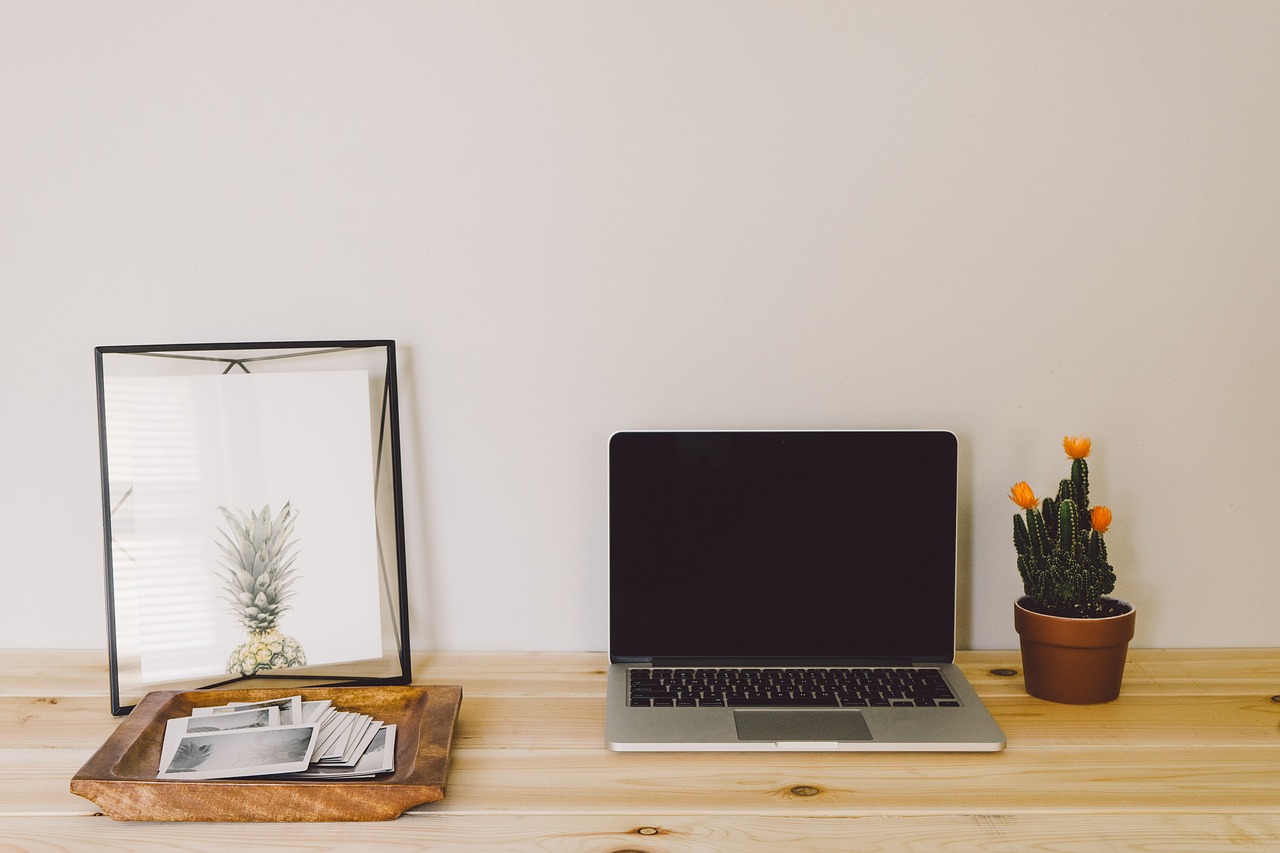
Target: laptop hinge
x,y
664,662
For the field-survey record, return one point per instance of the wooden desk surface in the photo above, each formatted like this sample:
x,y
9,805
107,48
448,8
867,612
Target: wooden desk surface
x,y
1188,758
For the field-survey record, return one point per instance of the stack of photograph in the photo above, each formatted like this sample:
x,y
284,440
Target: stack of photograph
x,y
283,738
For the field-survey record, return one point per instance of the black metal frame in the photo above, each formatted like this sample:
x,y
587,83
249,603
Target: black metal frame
x,y
387,432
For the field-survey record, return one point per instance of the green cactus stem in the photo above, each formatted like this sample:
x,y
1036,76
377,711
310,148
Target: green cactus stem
x,y
1062,560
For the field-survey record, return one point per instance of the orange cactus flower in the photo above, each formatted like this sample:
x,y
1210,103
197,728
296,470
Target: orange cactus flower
x,y
1100,518
1077,446
1022,495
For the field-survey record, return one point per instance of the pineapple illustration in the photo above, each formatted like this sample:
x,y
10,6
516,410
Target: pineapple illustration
x,y
257,571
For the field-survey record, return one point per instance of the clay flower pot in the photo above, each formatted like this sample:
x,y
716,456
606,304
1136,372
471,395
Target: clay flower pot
x,y
1073,661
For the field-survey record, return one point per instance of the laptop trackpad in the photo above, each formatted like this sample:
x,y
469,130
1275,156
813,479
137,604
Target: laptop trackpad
x,y
801,725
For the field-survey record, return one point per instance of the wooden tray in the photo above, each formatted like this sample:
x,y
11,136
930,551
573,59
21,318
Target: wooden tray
x,y
121,775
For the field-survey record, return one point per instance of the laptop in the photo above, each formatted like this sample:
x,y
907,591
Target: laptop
x,y
774,590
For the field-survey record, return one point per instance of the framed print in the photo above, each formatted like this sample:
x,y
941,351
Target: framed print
x,y
252,516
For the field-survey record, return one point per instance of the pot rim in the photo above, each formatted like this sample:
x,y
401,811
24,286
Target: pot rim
x,y
1128,612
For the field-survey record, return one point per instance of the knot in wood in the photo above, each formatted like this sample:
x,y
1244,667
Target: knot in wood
x,y
804,791
647,830
1004,673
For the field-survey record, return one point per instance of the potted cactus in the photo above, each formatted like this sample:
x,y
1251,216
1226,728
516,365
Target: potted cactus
x,y
1074,636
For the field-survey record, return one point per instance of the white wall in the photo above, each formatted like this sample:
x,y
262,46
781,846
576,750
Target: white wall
x,y
1011,220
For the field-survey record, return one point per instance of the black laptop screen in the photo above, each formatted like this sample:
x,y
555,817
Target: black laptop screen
x,y
802,545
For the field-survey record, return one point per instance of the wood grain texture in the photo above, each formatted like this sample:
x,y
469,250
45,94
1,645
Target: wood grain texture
x,y
1045,780
654,832
1188,758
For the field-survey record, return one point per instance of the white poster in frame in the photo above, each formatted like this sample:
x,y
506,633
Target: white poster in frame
x,y
241,509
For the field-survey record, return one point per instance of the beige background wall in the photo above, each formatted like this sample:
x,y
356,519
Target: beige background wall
x,y
1011,220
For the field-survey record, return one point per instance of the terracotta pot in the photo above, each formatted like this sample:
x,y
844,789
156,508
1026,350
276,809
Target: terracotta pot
x,y
1074,661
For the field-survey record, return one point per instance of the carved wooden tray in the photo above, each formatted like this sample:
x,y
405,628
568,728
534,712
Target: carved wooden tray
x,y
121,776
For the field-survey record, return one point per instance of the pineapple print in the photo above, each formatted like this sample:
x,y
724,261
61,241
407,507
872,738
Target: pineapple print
x,y
257,571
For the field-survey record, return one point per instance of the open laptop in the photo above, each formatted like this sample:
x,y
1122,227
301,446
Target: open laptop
x,y
786,591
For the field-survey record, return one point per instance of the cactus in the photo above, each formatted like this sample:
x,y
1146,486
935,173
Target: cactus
x,y
1062,557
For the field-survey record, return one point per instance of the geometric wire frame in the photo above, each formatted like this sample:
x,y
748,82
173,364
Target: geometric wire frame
x,y
129,639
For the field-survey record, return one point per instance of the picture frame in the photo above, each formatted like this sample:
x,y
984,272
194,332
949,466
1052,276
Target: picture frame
x,y
253,519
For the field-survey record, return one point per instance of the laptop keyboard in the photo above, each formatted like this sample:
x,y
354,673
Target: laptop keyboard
x,y
750,687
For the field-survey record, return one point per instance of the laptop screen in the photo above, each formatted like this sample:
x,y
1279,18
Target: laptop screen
x,y
809,546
